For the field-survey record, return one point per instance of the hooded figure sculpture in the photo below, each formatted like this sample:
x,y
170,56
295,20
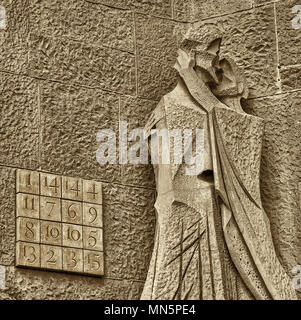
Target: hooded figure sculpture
x,y
213,237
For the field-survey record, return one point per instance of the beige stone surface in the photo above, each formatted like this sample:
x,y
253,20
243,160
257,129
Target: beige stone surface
x,y
7,216
32,284
72,212
194,10
129,222
73,260
70,68
72,236
94,262
47,60
28,181
72,188
19,143
28,206
92,239
249,39
288,37
280,171
66,144
92,191
135,112
50,209
28,230
51,185
51,233
28,254
156,7
92,215
213,232
51,257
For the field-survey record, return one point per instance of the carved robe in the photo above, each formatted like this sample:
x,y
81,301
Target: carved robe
x,y
213,238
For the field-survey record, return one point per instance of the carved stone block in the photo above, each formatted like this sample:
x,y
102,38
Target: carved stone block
x,y
72,236
28,181
92,238
28,230
92,215
72,212
28,254
72,188
51,257
51,185
51,233
92,191
50,209
55,229
73,260
28,206
93,262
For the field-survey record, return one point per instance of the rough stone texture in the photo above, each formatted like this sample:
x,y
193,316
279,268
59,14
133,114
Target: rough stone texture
x,y
19,121
157,43
194,10
135,112
290,78
129,47
288,37
76,63
97,25
156,7
33,285
70,120
7,216
83,21
199,240
128,231
13,56
280,171
249,39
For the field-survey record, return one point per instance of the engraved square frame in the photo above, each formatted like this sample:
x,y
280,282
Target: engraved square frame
x,y
68,235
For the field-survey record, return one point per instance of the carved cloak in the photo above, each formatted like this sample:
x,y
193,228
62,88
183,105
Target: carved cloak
x,y
222,245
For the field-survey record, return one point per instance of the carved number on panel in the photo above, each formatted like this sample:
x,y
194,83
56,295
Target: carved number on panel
x,y
29,254
95,265
93,214
74,188
53,184
51,255
73,234
29,234
93,191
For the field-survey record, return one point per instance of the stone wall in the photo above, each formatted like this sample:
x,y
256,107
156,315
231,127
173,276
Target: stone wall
x,y
70,68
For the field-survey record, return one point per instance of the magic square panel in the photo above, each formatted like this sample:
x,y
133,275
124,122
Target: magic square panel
x,y
59,223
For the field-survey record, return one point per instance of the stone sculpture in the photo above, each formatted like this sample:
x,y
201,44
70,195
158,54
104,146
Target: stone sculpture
x,y
213,238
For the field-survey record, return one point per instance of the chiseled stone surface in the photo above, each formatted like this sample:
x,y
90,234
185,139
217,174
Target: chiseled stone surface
x,y
280,171
156,7
76,63
32,284
288,37
135,112
249,39
83,21
70,120
194,10
157,43
98,25
19,129
290,78
155,78
129,220
13,56
7,216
